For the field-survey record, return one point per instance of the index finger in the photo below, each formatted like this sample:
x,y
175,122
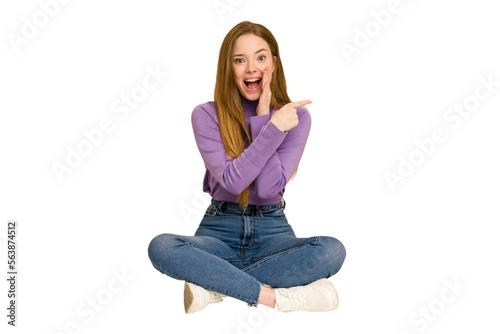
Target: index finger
x,y
300,103
267,76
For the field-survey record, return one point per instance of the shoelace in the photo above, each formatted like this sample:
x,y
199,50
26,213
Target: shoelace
x,y
299,301
214,297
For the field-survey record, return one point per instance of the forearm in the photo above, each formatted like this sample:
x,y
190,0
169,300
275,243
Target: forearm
x,y
240,172
234,174
272,179
280,167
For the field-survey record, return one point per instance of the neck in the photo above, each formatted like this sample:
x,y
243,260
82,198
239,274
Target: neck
x,y
250,106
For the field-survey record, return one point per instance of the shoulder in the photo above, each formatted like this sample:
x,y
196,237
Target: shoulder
x,y
204,111
304,116
303,112
304,119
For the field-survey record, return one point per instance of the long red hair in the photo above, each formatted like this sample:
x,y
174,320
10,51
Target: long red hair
x,y
230,111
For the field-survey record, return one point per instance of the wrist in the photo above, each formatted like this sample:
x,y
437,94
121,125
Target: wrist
x,y
278,125
262,111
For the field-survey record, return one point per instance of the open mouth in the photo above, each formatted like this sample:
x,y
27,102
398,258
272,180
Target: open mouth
x,y
252,84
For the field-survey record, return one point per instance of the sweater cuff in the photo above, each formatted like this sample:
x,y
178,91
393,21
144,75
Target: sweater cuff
x,y
275,129
257,124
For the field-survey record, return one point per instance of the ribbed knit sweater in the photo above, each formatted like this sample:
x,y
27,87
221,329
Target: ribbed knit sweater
x,y
270,160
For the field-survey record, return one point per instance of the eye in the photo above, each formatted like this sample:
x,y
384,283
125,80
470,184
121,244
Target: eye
x,y
262,57
237,60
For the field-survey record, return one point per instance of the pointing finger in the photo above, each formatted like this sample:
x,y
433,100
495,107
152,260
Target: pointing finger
x,y
299,103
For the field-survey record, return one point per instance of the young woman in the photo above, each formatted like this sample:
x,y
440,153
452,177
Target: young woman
x,y
251,139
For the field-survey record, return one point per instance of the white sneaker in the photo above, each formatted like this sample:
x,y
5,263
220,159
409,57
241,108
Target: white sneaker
x,y
197,298
317,296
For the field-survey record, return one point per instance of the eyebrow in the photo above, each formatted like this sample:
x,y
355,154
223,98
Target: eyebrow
x,y
264,49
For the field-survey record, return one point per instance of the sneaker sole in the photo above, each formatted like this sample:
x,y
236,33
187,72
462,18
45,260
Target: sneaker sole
x,y
188,298
192,298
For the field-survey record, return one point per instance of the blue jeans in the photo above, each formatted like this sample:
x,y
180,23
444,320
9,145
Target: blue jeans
x,y
236,252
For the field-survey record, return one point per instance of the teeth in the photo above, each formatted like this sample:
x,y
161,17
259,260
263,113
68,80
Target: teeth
x,y
252,80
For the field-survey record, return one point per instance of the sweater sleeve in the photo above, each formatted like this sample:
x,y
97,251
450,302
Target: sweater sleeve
x,y
234,174
282,164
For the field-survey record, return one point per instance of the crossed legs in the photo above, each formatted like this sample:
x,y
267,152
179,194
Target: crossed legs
x,y
212,264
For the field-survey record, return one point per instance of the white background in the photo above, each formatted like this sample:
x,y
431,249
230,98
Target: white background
x,y
145,176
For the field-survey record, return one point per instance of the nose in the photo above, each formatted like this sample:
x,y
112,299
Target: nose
x,y
251,67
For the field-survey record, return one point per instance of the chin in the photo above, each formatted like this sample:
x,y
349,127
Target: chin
x,y
254,96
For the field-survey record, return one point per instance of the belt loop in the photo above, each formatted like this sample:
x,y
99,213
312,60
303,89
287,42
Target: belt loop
x,y
219,205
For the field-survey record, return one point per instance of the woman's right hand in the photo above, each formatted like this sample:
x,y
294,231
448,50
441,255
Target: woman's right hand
x,y
286,118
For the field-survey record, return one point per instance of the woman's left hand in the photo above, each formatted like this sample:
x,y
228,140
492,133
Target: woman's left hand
x,y
265,96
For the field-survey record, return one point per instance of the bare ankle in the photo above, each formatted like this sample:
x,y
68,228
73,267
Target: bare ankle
x,y
267,296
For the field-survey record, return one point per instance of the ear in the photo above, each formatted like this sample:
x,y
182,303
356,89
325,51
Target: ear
x,y
274,62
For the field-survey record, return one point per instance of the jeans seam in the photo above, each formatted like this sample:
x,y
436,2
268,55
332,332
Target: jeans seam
x,y
229,259
287,249
254,231
269,258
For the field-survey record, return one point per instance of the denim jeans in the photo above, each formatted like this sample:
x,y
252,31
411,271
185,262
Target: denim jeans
x,y
236,252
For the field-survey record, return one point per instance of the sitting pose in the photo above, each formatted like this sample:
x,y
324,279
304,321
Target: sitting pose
x,y
251,139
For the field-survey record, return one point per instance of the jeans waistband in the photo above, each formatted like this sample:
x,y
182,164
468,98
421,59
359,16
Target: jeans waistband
x,y
251,207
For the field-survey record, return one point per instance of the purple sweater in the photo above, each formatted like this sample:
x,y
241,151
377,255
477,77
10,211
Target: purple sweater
x,y
270,159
